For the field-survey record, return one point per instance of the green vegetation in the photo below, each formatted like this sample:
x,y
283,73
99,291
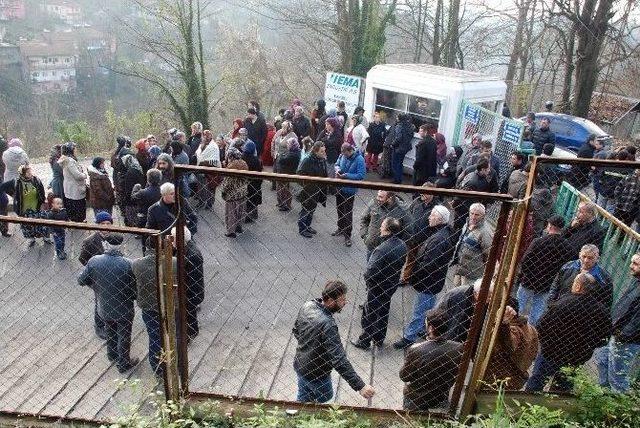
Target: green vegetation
x,y
594,407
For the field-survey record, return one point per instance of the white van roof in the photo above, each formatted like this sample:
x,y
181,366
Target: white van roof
x,y
436,72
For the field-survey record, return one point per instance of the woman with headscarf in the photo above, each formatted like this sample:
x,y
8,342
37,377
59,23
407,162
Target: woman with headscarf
x,y
234,194
207,154
267,156
357,134
180,157
101,194
133,175
28,197
57,179
75,183
316,114
332,139
142,154
14,157
254,187
287,164
441,149
280,144
238,124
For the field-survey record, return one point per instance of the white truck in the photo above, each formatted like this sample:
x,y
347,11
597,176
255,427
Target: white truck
x,y
430,94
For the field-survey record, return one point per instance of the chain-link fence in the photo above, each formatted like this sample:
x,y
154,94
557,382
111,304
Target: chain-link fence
x,y
74,341
313,289
575,294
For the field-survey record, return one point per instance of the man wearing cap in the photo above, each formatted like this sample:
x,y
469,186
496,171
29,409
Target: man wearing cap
x,y
429,272
111,277
359,111
92,246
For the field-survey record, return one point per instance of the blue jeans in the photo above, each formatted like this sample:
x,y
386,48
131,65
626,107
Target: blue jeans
x,y
543,369
304,219
314,391
396,166
59,240
422,303
152,323
618,363
608,204
538,303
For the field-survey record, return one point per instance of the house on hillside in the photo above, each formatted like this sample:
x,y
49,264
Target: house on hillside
x,y
616,114
67,11
10,61
50,67
12,9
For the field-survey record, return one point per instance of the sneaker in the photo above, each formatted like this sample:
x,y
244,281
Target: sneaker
x,y
32,242
47,240
336,232
101,334
239,229
249,220
312,230
402,343
128,365
230,235
306,234
347,242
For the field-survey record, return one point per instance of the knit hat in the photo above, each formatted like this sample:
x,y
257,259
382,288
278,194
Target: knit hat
x,y
249,148
154,151
103,216
15,142
443,212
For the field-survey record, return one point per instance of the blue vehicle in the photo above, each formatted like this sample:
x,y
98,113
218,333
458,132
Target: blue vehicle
x,y
571,131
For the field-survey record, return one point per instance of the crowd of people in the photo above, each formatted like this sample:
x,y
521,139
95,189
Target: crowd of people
x,y
559,316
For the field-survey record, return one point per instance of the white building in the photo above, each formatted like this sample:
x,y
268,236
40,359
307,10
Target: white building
x,y
50,67
68,11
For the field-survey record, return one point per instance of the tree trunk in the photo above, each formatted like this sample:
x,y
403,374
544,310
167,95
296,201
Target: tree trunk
x,y
523,9
451,41
590,35
437,31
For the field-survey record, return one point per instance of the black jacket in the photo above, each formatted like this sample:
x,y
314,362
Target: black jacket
x,y
14,188
91,246
459,304
312,193
581,173
572,328
319,347
430,270
288,163
130,178
160,216
385,265
568,272
626,315
254,187
542,261
194,272
377,133
194,143
144,199
426,163
332,143
301,127
430,369
419,229
403,136
257,132
541,137
577,236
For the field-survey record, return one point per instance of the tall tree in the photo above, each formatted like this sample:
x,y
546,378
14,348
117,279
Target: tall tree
x,y
451,43
169,37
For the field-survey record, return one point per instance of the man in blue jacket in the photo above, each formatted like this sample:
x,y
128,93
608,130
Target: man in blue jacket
x,y
350,166
111,276
616,361
382,278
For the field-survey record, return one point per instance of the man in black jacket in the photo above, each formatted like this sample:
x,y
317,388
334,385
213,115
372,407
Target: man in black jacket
x,y
146,197
426,164
430,367
403,137
194,276
320,350
382,278
256,128
542,135
429,272
569,331
550,251
162,214
616,361
584,229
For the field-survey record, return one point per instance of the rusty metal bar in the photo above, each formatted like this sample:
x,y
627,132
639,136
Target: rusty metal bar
x,y
79,226
480,309
586,162
371,185
183,338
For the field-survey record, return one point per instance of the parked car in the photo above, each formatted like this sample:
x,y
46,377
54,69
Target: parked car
x,y
571,131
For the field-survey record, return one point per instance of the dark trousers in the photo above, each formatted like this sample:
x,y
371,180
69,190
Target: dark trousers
x,y
152,323
59,240
344,204
192,319
543,369
304,219
396,167
375,316
119,340
76,208
4,210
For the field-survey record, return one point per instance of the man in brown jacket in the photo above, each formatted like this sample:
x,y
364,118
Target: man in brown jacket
x,y
430,367
516,348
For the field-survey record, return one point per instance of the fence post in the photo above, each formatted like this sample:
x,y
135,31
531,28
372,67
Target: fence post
x,y
164,260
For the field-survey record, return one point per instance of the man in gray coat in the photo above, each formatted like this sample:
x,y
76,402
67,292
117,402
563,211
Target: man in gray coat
x,y
111,277
386,204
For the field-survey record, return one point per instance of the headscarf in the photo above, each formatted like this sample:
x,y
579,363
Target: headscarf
x,y
250,148
97,161
332,113
154,152
55,154
22,170
240,123
141,144
130,162
176,148
15,142
293,145
233,154
441,144
334,122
